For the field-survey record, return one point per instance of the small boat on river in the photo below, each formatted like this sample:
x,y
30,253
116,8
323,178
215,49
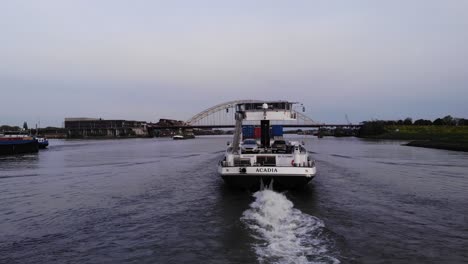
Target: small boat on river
x,y
184,135
178,137
42,142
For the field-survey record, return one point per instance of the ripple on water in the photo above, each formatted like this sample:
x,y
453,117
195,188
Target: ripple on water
x,y
285,234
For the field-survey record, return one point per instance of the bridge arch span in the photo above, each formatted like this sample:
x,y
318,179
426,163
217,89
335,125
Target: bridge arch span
x,y
218,109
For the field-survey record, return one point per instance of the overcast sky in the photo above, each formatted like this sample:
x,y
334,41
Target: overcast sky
x,y
147,60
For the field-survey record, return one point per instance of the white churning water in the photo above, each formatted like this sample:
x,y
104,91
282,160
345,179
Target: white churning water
x,y
285,234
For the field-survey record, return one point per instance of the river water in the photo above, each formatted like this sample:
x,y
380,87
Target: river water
x,y
161,201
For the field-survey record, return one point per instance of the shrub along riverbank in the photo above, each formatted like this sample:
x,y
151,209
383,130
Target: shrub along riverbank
x,y
450,137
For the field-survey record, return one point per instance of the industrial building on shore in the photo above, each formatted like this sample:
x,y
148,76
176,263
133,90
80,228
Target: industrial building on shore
x,y
84,127
102,128
96,128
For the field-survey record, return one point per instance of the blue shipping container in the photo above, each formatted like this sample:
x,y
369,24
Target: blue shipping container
x,y
248,131
277,130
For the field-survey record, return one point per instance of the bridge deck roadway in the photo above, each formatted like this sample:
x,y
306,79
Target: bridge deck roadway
x,y
232,126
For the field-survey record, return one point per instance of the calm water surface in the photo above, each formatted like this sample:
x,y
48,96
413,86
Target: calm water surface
x,y
161,201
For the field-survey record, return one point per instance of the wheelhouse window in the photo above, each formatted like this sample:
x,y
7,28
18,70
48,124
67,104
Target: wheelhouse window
x,y
259,106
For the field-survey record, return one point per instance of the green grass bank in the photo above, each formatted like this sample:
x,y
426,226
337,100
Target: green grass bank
x,y
439,137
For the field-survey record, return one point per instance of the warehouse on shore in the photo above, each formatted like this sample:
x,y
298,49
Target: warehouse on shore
x,y
83,127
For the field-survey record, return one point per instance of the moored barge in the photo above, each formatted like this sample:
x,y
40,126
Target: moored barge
x,y
17,144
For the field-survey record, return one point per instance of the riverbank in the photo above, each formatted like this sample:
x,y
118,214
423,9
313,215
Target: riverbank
x,y
438,137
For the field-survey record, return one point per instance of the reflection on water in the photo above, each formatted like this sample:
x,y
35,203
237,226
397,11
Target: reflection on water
x,y
29,161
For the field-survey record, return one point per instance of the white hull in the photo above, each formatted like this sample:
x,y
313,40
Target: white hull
x,y
308,172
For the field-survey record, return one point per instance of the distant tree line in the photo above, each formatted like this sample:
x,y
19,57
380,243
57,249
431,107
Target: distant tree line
x,y
5,128
378,127
445,121
372,128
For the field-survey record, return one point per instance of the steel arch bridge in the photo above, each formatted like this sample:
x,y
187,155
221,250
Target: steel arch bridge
x,y
223,114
